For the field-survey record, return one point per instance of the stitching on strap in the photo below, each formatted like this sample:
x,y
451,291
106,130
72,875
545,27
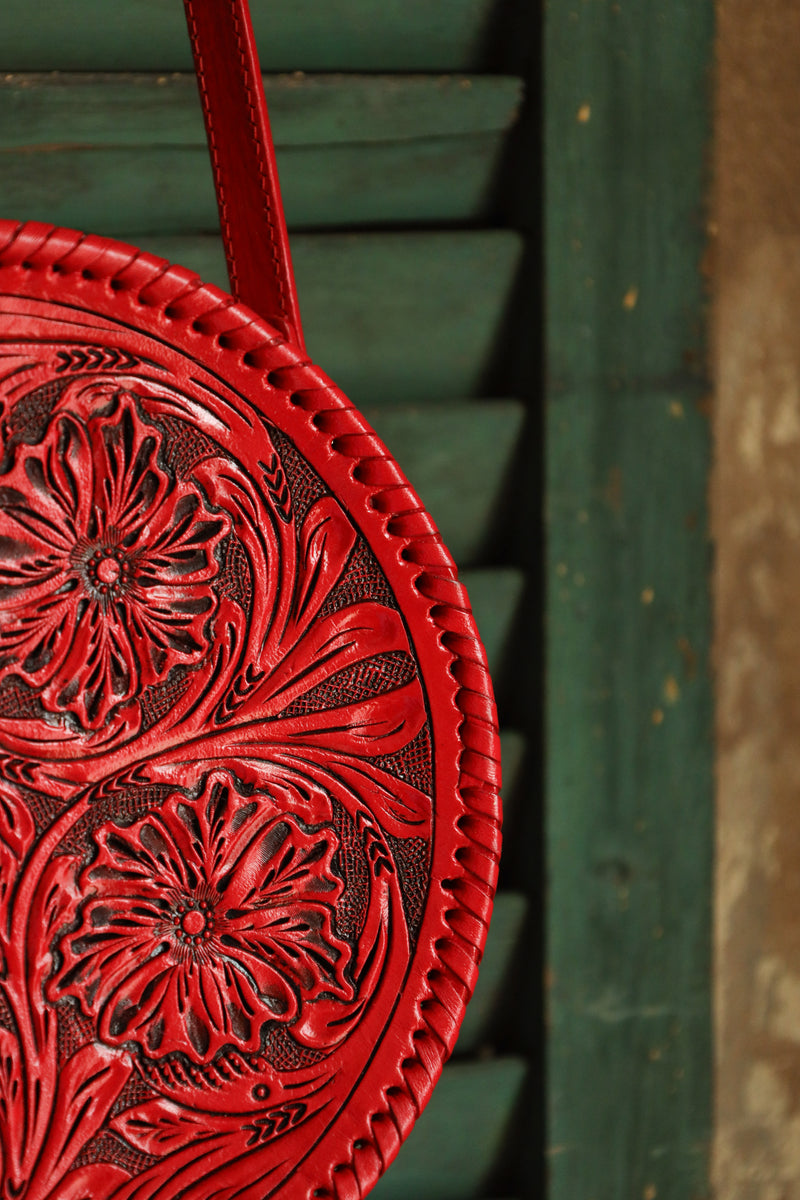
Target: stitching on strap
x,y
212,143
263,172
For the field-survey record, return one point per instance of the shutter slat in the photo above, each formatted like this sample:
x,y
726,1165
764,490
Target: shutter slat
x,y
459,1142
519,861
142,35
116,153
164,190
495,596
457,456
393,316
494,996
312,110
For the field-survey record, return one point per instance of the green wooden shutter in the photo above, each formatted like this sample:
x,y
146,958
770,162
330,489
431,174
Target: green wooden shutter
x,y
408,173
392,171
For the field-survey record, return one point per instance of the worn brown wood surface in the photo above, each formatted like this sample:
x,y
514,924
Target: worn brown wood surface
x,y
756,497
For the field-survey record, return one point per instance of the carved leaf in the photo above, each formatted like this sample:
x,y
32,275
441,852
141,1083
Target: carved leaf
x,y
159,1126
88,1085
12,1107
326,539
331,645
90,1183
17,829
17,833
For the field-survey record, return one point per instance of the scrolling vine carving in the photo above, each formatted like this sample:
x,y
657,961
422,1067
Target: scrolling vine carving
x,y
216,784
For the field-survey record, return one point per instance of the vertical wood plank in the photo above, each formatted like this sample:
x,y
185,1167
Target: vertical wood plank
x,y
629,799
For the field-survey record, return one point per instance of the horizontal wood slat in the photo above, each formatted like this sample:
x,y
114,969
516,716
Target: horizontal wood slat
x,y
163,190
495,996
520,760
457,456
520,859
411,317
459,1142
140,35
514,747
307,110
495,596
120,153
393,317
128,152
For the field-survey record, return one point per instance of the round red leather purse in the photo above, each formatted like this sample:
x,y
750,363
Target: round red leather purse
x,y
249,816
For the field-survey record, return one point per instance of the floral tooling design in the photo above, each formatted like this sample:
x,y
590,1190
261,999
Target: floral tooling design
x,y
207,919
106,565
216,785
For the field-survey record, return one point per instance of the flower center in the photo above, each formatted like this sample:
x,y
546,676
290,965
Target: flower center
x,y
193,922
108,570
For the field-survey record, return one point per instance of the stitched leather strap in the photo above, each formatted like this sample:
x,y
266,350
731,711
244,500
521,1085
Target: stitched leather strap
x,y
243,161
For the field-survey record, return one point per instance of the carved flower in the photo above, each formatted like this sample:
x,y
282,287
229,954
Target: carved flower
x,y
205,920
105,565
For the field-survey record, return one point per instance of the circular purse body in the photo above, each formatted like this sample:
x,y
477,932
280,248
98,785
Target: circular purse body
x,y
249,820
248,790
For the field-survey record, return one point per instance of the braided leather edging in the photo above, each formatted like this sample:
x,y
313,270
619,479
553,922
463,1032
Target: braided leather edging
x,y
180,296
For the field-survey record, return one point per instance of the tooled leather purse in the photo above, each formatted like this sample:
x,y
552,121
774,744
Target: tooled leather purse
x,y
249,817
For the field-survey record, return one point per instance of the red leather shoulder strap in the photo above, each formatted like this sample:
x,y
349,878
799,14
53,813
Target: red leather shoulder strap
x,y
243,160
